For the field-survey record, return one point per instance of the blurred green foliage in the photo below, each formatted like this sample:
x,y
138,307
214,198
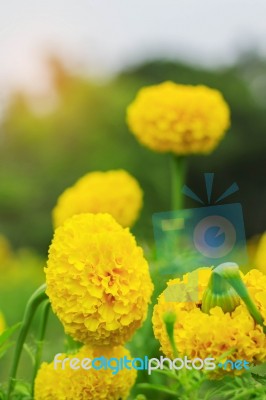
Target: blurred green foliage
x,y
44,152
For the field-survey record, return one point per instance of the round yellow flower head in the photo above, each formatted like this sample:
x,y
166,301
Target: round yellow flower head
x,y
83,384
98,280
181,119
113,192
260,255
2,323
202,335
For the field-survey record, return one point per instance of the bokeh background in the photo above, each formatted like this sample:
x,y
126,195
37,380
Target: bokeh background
x,y
68,71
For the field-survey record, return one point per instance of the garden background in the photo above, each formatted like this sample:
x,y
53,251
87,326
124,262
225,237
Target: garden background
x,y
45,146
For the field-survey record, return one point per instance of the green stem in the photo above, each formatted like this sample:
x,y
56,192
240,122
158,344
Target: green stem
x,y
169,319
41,334
35,300
179,167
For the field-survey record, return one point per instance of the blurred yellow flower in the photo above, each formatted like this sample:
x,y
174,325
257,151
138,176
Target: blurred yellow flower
x,y
2,323
98,280
202,335
19,268
181,119
113,192
81,384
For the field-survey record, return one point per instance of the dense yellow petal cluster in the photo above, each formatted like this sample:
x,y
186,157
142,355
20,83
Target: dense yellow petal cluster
x,y
98,280
81,384
2,323
260,255
113,192
211,335
182,119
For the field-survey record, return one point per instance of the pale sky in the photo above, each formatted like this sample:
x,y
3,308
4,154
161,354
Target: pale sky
x,y
105,35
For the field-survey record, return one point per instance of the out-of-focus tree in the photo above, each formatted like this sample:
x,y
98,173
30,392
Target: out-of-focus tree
x,y
44,152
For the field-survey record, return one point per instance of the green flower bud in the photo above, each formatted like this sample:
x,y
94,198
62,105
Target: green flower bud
x,y
225,289
220,293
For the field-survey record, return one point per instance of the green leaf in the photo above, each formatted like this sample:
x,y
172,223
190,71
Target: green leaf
x,y
8,333
22,391
259,370
2,393
260,379
4,348
5,336
158,388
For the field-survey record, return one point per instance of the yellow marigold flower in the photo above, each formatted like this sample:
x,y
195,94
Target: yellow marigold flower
x,y
82,384
181,119
2,323
198,334
113,192
97,280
